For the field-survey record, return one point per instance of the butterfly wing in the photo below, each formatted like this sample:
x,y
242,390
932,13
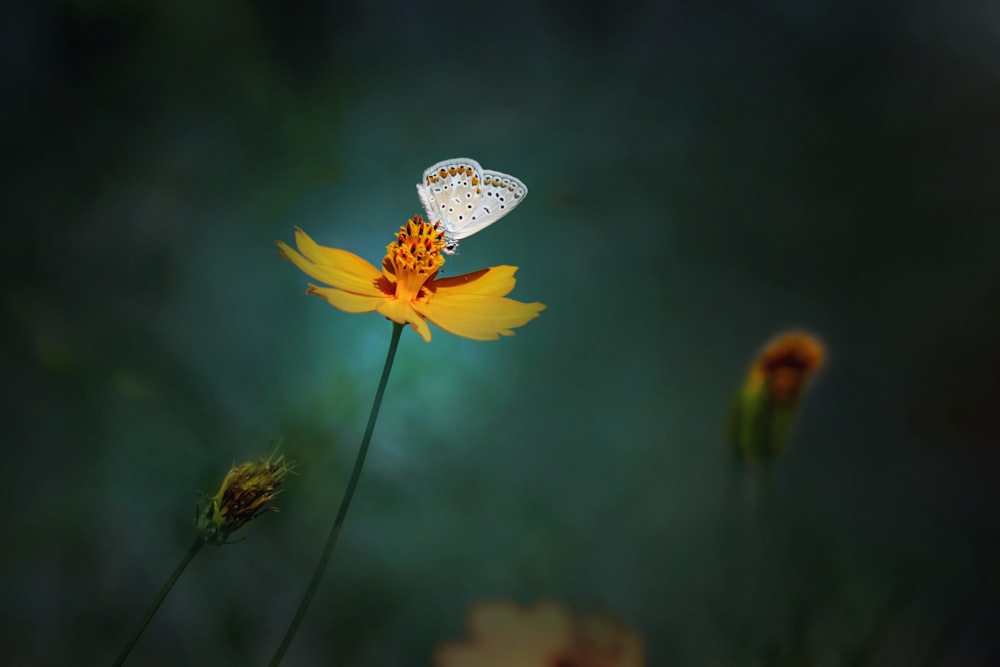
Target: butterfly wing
x,y
450,192
466,198
430,204
500,194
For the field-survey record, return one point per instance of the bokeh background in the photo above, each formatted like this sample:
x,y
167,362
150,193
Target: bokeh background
x,y
702,176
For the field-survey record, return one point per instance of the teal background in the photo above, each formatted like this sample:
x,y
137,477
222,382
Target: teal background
x,y
701,177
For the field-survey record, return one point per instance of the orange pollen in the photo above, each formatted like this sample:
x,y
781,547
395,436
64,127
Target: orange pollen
x,y
417,248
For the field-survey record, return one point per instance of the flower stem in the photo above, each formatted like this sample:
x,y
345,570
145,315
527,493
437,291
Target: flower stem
x,y
345,503
158,600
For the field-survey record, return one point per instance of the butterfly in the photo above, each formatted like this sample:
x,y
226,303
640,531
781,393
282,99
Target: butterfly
x,y
466,198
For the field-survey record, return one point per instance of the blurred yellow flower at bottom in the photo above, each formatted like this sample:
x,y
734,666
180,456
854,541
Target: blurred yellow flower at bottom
x,y
502,634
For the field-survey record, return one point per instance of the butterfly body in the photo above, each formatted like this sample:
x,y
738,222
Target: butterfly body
x,y
466,198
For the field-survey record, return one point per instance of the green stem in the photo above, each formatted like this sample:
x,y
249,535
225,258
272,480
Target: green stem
x,y
345,503
158,600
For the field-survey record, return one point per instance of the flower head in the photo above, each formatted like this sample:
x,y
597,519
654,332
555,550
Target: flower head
x,y
764,411
243,496
785,366
407,289
502,634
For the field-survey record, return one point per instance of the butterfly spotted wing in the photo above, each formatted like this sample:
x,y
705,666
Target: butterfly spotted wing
x,y
465,198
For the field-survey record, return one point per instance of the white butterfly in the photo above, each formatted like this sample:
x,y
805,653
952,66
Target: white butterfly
x,y
465,198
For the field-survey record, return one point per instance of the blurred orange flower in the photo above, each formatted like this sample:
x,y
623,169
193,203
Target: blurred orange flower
x,y
407,289
502,634
764,411
785,365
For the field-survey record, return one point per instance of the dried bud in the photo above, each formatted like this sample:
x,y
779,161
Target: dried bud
x,y
243,496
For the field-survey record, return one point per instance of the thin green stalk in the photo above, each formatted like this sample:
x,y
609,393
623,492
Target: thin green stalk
x,y
158,600
345,503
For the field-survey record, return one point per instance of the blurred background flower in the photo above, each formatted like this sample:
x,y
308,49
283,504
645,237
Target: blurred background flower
x,y
547,634
764,410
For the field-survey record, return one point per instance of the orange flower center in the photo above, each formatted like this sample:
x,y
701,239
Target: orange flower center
x,y
786,365
414,257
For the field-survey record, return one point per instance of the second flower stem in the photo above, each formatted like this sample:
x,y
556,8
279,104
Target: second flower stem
x,y
160,597
345,503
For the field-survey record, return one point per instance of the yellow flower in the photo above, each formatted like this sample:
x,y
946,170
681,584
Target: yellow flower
x,y
407,289
501,634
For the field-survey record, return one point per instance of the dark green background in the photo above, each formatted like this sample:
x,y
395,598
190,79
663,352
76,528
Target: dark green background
x,y
702,176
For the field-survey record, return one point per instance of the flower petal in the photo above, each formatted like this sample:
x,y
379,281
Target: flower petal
x,y
399,310
346,301
478,316
495,281
340,269
315,252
